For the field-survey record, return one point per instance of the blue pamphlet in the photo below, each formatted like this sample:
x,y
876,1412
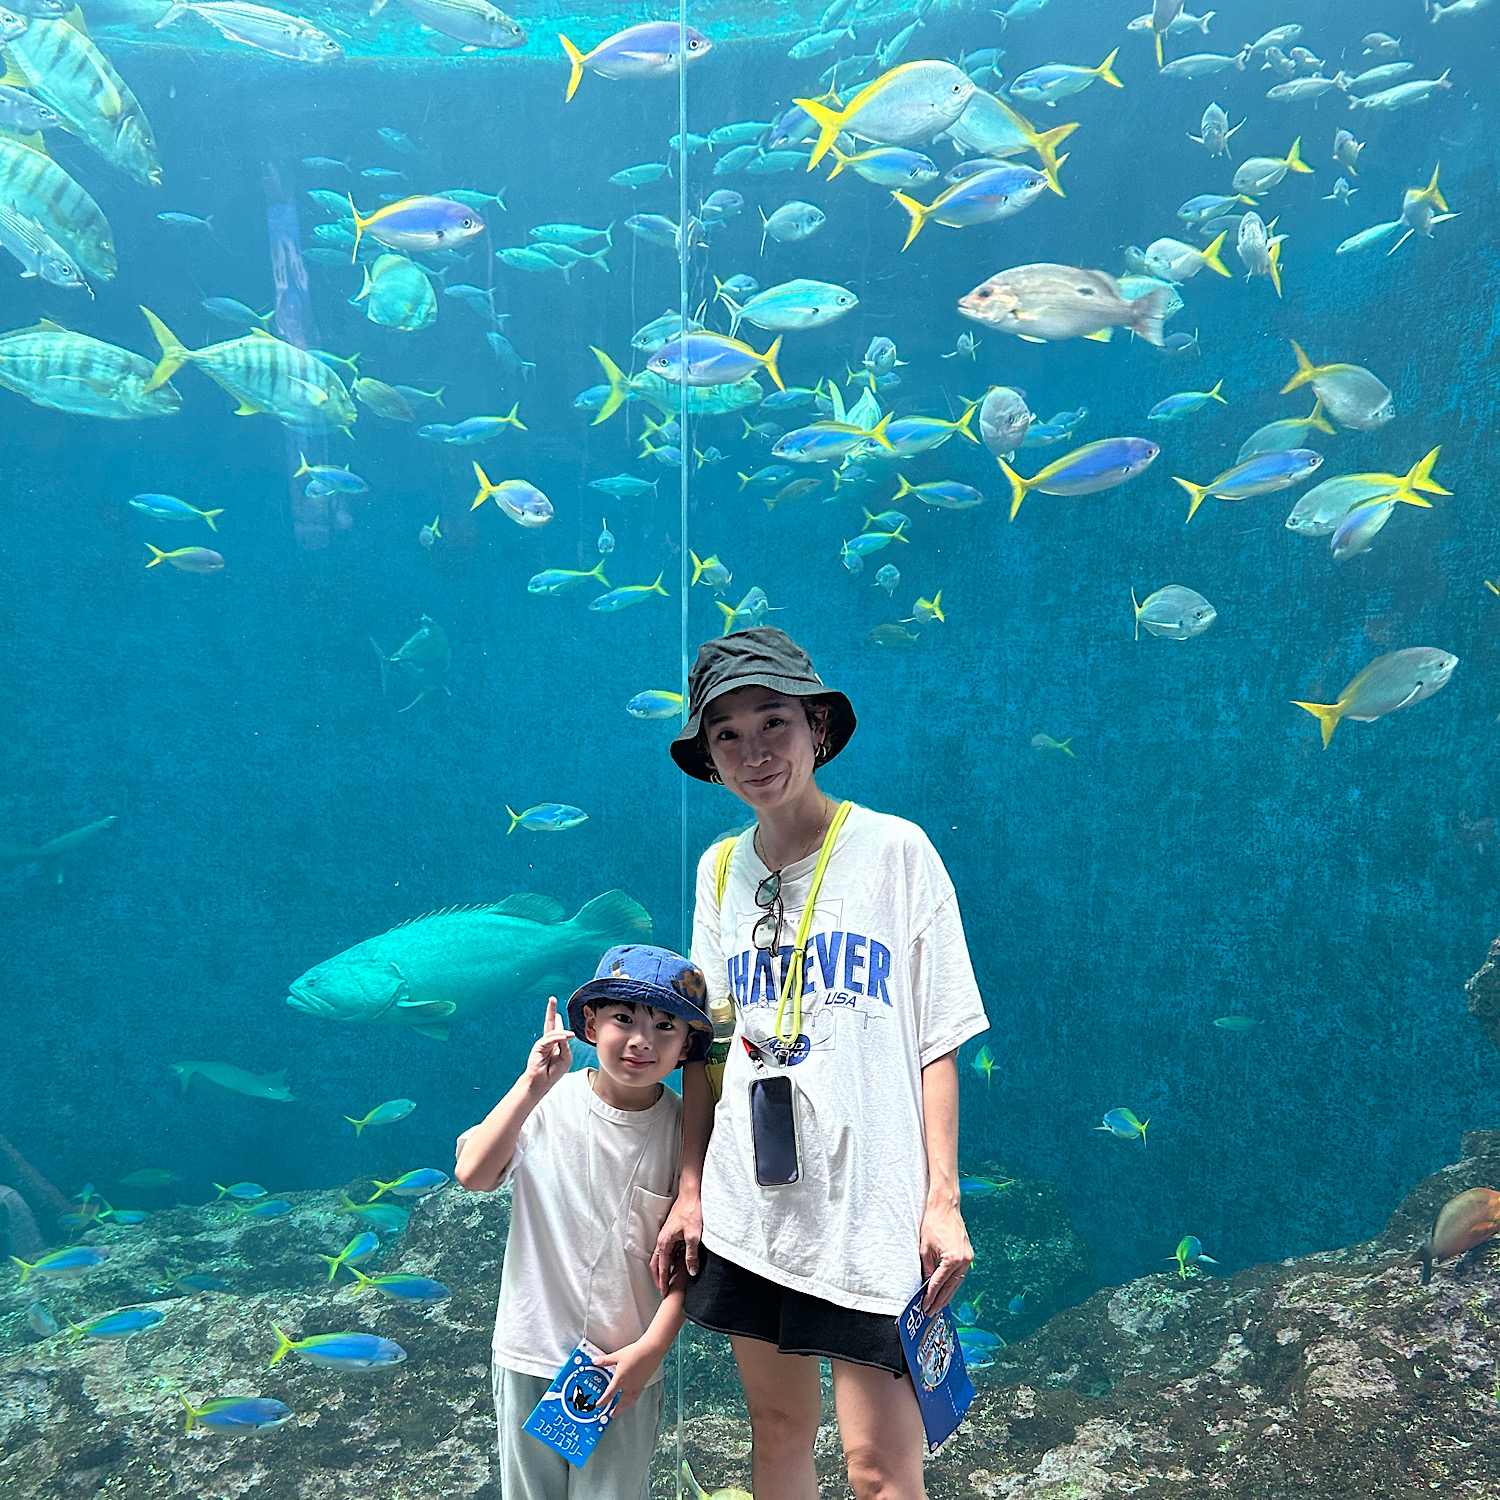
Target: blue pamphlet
x,y
569,1419
936,1362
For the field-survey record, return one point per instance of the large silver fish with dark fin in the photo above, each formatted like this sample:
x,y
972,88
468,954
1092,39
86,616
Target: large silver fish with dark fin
x,y
69,74
84,376
439,968
37,188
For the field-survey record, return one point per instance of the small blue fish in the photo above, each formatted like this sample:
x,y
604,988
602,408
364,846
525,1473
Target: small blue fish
x,y
380,174
472,429
1189,1251
344,481
606,540
768,163
340,1351
383,1114
1056,429
384,1216
1123,1123
888,577
624,484
359,1249
231,310
1084,471
979,1338
272,1208
125,1215
631,593
733,160
396,140
170,508
186,221
1017,1305
966,1314
117,1325
416,1290
232,1415
982,1187
200,1281
325,163
1261,474
546,817
413,1184
655,704
635,177
75,1259
241,1192
1183,404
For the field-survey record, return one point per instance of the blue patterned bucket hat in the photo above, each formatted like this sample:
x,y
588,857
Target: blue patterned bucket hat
x,y
643,975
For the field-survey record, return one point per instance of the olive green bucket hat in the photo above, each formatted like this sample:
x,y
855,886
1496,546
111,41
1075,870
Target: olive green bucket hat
x,y
762,657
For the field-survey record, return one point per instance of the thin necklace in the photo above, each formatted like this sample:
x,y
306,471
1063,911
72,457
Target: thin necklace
x,y
822,833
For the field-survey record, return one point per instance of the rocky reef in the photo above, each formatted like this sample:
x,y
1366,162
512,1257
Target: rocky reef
x,y
1333,1375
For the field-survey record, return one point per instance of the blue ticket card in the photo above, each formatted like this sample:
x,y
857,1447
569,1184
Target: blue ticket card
x,y
569,1418
936,1362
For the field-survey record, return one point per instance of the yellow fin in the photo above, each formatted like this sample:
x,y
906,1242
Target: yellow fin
x,y
1327,715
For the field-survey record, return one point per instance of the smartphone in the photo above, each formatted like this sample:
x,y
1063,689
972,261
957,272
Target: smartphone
x,y
773,1126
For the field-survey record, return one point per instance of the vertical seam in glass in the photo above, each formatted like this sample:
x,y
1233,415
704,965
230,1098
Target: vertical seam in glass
x,y
685,448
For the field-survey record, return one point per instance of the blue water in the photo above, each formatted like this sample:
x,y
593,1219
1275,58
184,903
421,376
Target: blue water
x,y
1201,855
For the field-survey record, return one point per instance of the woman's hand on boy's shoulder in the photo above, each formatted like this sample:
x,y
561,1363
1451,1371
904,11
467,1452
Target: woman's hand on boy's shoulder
x,y
551,1056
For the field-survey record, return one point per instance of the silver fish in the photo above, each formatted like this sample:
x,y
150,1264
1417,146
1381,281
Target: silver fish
x,y
260,27
39,254
1045,302
476,22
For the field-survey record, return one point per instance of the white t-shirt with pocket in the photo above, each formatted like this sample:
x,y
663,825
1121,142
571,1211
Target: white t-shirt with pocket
x,y
888,987
591,1186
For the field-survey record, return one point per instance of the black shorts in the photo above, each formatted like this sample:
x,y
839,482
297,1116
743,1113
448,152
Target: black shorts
x,y
729,1299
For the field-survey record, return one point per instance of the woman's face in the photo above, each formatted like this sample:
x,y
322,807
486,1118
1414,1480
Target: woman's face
x,y
762,746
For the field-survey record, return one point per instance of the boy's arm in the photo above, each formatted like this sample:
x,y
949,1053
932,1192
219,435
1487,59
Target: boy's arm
x,y
636,1363
684,1224
485,1151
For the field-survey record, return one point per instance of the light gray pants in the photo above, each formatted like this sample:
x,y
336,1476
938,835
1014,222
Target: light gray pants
x,y
618,1469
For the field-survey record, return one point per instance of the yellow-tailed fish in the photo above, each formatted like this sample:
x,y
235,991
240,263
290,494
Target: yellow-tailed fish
x,y
991,127
1396,680
264,374
904,106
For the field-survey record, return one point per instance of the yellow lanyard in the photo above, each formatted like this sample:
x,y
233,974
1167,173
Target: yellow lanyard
x,y
791,984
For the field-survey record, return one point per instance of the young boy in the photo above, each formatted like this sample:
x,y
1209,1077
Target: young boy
x,y
594,1158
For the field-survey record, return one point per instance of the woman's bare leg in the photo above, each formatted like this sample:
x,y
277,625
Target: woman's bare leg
x,y
785,1395
880,1424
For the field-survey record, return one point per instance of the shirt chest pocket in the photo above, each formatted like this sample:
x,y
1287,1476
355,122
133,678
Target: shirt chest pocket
x,y
645,1217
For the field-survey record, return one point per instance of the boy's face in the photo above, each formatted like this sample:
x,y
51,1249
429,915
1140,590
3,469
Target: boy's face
x,y
638,1047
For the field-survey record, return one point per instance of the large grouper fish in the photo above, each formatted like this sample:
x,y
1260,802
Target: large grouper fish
x,y
446,965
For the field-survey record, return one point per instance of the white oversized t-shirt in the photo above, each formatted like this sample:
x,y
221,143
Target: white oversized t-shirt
x,y
591,1186
888,987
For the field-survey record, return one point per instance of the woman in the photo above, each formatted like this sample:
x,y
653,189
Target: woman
x,y
823,1190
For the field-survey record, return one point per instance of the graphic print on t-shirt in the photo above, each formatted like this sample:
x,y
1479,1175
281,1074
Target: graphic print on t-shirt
x,y
844,974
